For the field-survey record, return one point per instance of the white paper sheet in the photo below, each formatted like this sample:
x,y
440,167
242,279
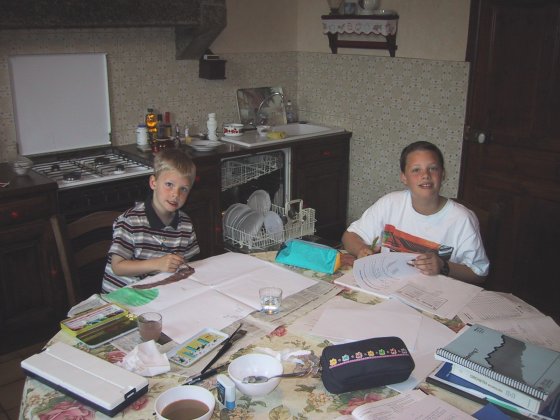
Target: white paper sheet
x,y
210,309
245,287
488,305
409,405
384,273
431,336
438,295
221,268
367,321
223,289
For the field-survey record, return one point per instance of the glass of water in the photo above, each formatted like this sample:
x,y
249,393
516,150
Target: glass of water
x,y
271,300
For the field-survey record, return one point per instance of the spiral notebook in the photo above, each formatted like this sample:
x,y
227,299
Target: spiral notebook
x,y
529,368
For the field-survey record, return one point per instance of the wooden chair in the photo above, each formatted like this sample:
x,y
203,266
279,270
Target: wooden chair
x,y
82,246
489,221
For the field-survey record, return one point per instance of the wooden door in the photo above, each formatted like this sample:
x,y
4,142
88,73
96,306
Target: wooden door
x,y
511,148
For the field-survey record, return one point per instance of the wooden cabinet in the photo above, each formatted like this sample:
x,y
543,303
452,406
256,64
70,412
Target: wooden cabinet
x,y
203,207
33,293
320,179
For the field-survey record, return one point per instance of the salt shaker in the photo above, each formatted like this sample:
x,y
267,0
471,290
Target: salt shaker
x,y
212,126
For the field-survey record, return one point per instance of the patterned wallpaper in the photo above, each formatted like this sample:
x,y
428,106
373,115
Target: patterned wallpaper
x,y
386,102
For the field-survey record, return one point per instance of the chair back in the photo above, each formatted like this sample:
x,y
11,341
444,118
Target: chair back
x,y
489,221
83,250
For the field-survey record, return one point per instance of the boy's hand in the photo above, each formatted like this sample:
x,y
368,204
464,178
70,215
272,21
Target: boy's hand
x,y
170,263
429,264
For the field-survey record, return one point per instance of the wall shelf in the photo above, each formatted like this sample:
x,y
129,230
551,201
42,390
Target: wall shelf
x,y
364,27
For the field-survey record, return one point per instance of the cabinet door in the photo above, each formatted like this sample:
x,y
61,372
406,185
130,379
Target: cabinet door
x,y
511,148
202,206
320,179
33,297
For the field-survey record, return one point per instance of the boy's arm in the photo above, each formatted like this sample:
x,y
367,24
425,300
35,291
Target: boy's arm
x,y
123,267
355,245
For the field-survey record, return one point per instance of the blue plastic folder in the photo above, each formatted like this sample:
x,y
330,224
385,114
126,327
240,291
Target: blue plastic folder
x,y
309,255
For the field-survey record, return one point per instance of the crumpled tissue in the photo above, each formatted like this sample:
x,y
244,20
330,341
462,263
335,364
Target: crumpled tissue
x,y
286,355
146,360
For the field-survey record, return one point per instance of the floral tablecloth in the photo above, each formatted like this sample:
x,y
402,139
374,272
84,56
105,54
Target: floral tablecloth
x,y
301,398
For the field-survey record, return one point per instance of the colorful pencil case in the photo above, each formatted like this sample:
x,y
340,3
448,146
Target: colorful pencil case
x,y
309,255
365,364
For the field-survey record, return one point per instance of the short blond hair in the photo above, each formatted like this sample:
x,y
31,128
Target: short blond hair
x,y
174,160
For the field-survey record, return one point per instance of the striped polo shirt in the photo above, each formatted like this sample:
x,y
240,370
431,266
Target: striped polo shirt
x,y
139,234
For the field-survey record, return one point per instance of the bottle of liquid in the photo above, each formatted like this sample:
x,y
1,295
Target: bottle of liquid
x,y
167,128
291,114
212,126
160,127
151,124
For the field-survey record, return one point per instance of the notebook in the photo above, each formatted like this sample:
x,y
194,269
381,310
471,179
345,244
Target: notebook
x,y
529,368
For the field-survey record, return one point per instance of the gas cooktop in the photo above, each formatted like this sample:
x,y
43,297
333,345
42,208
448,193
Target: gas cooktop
x,y
74,172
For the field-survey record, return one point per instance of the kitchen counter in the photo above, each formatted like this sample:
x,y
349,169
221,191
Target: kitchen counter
x,y
30,183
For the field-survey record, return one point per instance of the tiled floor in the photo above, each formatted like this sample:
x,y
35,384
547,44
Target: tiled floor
x,y
12,379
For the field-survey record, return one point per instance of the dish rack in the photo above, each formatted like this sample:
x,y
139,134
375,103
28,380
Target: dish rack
x,y
236,172
298,223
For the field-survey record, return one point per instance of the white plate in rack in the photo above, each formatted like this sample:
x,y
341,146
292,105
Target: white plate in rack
x,y
204,145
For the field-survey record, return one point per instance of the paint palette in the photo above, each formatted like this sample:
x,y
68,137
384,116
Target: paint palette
x,y
188,352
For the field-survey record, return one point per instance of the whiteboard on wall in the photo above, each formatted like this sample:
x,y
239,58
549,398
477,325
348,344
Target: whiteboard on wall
x,y
61,101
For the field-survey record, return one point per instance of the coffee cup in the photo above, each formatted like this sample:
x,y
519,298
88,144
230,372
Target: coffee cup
x,y
186,402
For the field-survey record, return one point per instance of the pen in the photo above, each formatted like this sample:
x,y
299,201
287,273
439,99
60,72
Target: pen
x,y
225,347
374,243
202,376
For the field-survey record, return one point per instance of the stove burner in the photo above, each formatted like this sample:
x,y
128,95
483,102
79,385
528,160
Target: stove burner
x,y
119,169
101,160
71,176
55,167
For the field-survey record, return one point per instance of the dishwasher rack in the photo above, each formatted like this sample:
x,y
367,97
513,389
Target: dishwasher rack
x,y
296,224
237,172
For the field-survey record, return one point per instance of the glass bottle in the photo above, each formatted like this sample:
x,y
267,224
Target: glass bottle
x,y
151,124
167,128
160,127
291,114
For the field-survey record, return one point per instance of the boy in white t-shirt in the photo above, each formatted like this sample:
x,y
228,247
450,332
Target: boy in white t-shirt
x,y
419,220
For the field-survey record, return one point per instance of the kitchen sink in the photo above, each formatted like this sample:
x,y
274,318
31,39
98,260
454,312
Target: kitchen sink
x,y
294,131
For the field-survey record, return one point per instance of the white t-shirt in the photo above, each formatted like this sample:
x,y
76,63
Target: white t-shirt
x,y
453,232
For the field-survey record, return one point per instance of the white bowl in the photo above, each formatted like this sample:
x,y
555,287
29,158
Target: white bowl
x,y
185,392
233,130
255,364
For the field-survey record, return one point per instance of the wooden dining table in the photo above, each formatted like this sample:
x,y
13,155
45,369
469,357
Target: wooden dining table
x,y
301,398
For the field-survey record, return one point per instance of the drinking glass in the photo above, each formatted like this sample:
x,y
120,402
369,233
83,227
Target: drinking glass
x,y
149,326
271,300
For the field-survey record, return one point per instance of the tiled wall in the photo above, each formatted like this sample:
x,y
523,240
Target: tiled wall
x,y
386,102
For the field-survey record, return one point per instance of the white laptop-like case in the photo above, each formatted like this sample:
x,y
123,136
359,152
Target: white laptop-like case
x,y
106,387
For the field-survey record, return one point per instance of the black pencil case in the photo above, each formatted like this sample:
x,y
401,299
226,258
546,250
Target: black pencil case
x,y
365,364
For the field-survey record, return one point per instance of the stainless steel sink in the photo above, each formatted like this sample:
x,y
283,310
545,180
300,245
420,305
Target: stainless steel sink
x,y
295,131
